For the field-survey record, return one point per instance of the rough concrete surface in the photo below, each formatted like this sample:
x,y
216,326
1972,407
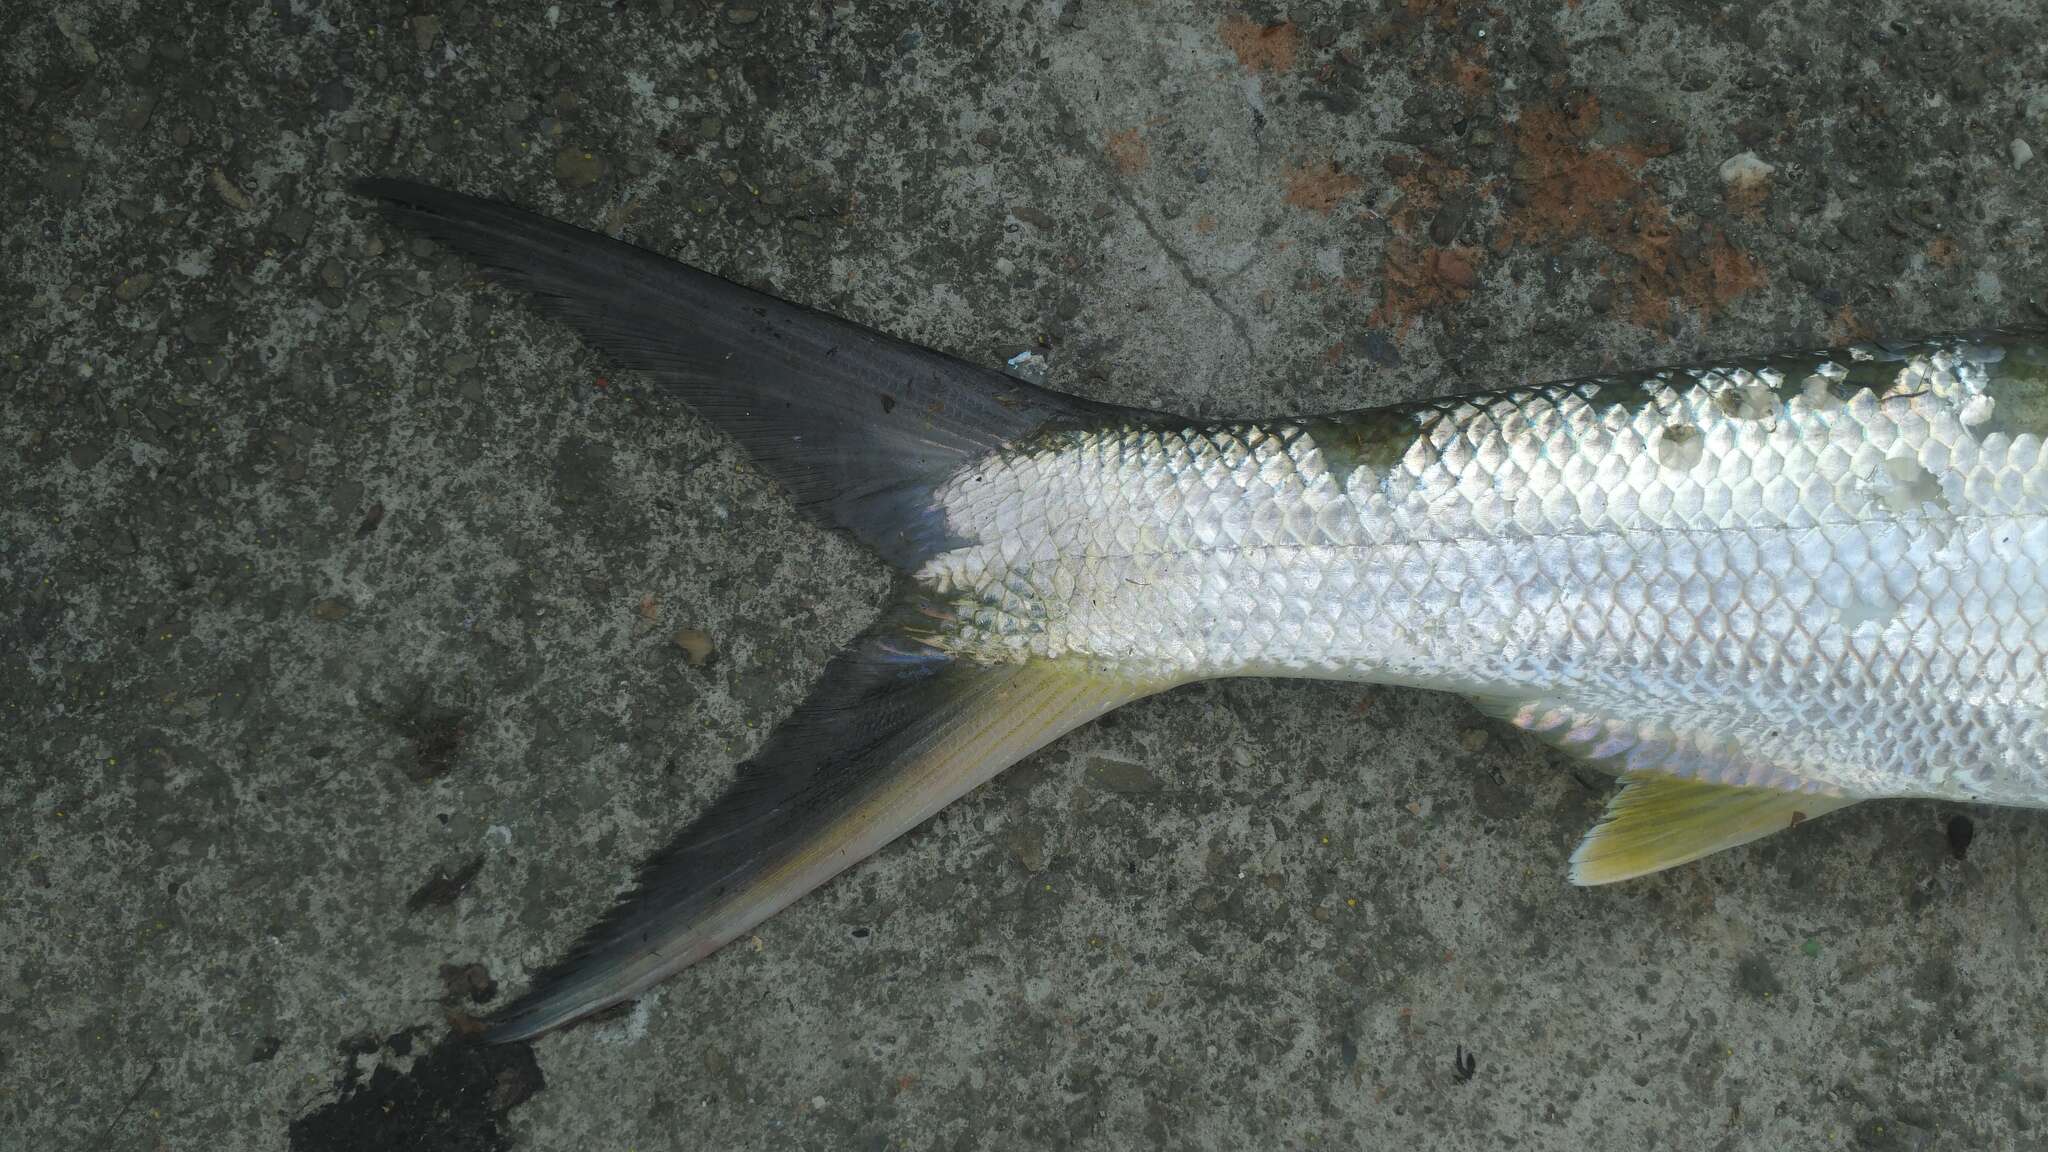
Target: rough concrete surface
x,y
340,680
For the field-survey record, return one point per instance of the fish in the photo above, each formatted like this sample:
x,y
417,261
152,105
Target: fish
x,y
1756,591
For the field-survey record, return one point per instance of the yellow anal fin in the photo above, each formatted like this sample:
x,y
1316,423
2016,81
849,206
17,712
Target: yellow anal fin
x,y
1657,821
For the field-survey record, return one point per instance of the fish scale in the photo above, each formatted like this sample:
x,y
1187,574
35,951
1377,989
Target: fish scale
x,y
1818,575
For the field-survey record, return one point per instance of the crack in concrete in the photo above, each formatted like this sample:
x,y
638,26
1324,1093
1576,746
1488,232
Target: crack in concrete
x,y
1196,280
1122,191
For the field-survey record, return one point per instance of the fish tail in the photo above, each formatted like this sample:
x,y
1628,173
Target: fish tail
x,y
861,428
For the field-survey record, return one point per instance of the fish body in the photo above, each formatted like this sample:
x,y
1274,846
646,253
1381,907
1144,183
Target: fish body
x,y
1757,591
1820,572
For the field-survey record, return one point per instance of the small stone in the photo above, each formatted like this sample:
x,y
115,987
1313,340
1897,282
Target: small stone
x,y
136,113
424,29
132,288
1601,298
2021,152
1450,220
578,168
331,608
1744,167
696,646
1027,848
1746,177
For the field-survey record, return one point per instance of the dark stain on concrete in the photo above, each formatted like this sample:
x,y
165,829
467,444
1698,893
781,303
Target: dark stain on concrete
x,y
453,1098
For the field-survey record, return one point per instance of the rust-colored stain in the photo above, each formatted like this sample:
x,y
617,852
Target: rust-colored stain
x,y
1261,47
1418,278
1569,190
1321,187
1470,76
1941,251
1714,273
1127,151
1846,328
1572,189
1424,182
1205,223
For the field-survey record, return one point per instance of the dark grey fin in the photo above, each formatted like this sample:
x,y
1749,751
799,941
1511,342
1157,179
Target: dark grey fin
x,y
858,425
895,730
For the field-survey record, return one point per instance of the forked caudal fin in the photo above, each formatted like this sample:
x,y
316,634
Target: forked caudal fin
x,y
860,428
856,424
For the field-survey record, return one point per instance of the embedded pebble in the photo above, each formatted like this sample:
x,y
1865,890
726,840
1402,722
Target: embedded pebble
x,y
696,645
132,288
578,168
1745,174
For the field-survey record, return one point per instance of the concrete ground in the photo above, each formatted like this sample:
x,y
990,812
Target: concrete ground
x,y
339,683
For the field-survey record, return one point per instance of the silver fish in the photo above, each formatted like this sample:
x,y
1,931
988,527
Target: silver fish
x,y
1757,591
